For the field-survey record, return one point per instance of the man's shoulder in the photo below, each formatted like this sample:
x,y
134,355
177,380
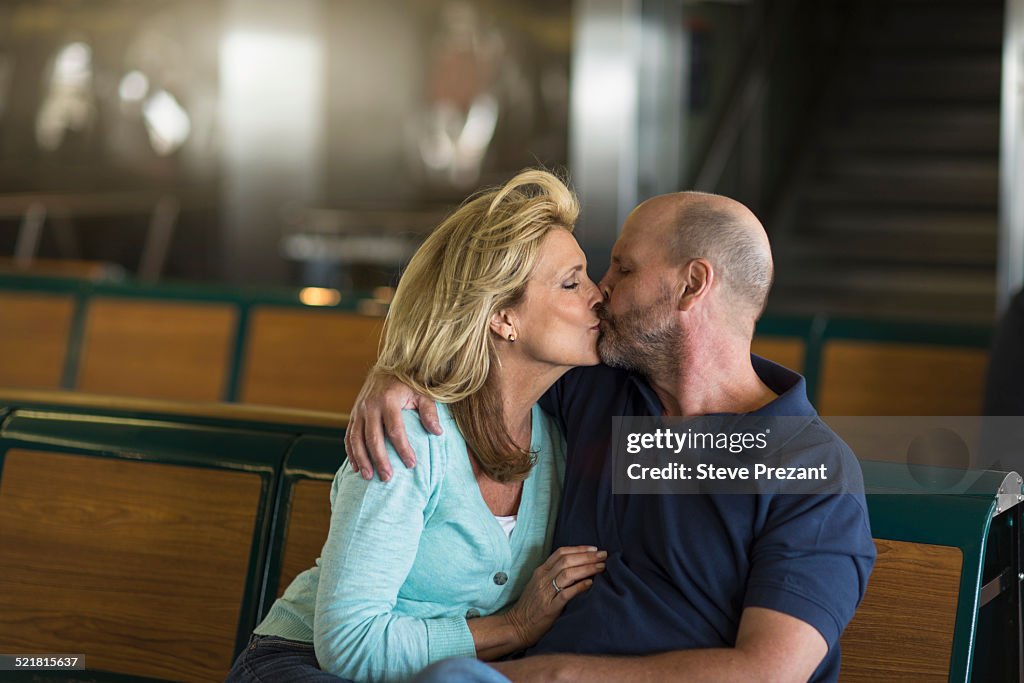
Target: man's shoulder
x,y
810,444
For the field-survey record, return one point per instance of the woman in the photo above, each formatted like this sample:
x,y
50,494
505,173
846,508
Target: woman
x,y
448,559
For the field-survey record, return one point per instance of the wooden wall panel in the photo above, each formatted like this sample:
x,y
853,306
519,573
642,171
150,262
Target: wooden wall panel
x,y
157,349
34,331
140,566
903,630
876,378
308,359
308,524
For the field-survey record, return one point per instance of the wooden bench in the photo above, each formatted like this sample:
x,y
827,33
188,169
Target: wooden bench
x,y
152,538
944,585
181,342
267,348
137,541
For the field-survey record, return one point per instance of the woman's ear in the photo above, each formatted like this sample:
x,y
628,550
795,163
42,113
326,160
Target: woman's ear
x,y
505,324
697,276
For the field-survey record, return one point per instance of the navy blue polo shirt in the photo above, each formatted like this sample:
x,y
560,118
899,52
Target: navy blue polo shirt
x,y
681,568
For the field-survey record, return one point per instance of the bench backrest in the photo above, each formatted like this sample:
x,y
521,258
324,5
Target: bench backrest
x,y
304,515
311,359
137,543
911,600
786,351
861,377
268,348
921,614
34,332
157,349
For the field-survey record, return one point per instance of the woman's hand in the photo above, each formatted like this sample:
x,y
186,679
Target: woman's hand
x,y
378,412
561,578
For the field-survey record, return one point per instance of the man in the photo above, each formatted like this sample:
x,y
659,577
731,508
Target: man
x,y
717,587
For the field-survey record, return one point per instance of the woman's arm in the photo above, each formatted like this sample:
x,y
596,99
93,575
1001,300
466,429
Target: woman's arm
x,y
370,549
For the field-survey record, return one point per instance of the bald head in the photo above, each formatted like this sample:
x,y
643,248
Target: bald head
x,y
724,232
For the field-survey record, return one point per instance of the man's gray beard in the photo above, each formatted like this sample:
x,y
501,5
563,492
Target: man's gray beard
x,y
644,340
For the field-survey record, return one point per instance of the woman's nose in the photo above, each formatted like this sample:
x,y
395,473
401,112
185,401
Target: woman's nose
x,y
596,295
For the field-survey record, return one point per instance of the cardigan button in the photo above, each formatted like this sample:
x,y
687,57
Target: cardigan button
x,y
473,613
501,578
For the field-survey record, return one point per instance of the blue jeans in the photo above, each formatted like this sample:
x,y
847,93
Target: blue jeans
x,y
459,670
269,659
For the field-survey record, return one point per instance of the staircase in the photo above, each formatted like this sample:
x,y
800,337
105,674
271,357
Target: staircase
x,y
894,210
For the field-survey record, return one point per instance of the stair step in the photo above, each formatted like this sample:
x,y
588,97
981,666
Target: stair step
x,y
882,278
879,194
898,216
906,27
972,171
887,180
843,221
920,78
910,250
878,291
917,129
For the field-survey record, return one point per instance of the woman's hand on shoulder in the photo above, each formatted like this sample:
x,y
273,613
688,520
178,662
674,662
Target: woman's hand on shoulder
x,y
376,416
563,576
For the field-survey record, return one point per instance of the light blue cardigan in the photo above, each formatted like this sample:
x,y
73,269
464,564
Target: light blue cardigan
x,y
408,561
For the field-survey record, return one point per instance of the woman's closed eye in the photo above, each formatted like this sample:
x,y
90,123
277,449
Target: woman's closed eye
x,y
571,285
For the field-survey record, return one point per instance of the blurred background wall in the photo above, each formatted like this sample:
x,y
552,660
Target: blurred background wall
x,y
315,142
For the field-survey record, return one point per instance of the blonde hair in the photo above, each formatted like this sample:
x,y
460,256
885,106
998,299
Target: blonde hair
x,y
437,336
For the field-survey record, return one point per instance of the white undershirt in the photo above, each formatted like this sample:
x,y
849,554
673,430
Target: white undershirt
x,y
507,523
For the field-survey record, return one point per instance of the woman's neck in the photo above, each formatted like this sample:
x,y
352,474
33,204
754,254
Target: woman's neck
x,y
520,385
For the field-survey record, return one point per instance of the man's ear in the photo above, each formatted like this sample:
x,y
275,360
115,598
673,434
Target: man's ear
x,y
505,324
696,279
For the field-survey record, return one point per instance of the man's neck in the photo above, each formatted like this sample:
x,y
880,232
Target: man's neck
x,y
714,376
